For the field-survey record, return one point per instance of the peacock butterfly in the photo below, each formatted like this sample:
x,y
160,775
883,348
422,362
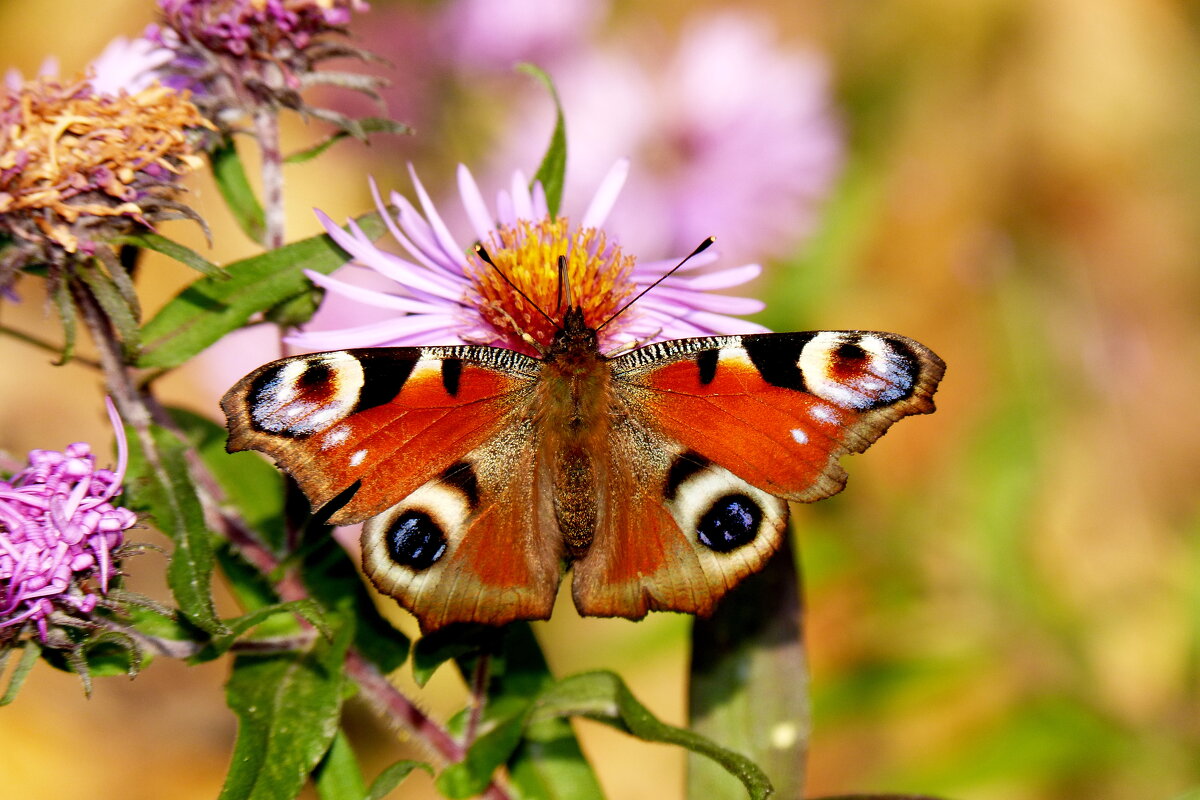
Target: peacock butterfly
x,y
660,475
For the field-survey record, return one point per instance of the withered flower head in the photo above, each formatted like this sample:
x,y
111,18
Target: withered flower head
x,y
78,167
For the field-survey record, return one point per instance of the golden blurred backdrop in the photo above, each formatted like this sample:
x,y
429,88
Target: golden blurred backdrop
x,y
1005,603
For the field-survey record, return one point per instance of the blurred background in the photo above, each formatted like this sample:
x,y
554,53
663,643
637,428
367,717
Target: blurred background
x,y
1005,603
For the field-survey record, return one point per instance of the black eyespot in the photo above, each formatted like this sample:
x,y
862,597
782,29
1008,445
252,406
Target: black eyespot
x,y
415,541
731,522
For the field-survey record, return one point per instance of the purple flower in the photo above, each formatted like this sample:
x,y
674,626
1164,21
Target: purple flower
x,y
496,34
236,55
734,134
130,65
440,292
59,537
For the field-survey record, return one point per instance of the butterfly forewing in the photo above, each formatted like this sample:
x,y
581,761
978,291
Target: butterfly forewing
x,y
778,410
388,419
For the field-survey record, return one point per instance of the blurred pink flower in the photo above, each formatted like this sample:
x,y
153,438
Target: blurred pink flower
x,y
441,293
128,64
496,34
733,134
58,533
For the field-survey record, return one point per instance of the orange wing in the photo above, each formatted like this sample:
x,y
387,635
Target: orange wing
x,y
389,419
713,435
779,410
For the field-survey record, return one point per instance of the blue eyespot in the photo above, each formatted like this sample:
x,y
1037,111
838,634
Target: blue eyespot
x,y
730,523
415,541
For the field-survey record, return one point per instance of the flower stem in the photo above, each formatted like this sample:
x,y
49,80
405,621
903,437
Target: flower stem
x,y
266,125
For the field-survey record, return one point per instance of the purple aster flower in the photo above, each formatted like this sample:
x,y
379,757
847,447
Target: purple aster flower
x,y
130,65
442,292
496,34
733,132
60,537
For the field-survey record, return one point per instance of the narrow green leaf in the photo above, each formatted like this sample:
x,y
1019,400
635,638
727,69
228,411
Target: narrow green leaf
x,y
307,608
471,776
364,128
70,321
29,654
549,762
451,643
603,696
122,315
159,484
250,483
390,778
549,765
331,578
338,776
174,250
749,682
296,310
288,707
553,169
210,308
233,185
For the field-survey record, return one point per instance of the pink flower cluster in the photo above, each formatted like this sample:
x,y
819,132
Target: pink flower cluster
x,y
276,31
58,533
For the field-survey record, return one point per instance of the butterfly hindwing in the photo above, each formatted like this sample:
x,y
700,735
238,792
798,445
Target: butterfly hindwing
x,y
675,533
474,544
388,419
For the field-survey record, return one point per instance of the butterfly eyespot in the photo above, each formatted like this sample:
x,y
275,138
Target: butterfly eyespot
x,y
415,541
860,371
732,521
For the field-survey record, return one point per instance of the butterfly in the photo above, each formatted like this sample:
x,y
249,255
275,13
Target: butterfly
x,y
659,476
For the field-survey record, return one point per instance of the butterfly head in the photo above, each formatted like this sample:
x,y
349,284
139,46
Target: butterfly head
x,y
529,279
574,337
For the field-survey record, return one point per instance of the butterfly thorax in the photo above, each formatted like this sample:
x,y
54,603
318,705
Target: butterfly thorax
x,y
574,416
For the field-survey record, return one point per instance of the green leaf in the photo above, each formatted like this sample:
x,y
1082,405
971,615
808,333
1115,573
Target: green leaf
x,y
548,762
471,776
120,313
553,169
749,682
338,776
252,485
231,181
603,696
210,308
307,608
331,578
288,707
363,128
390,778
451,643
70,321
184,255
29,654
159,484
296,310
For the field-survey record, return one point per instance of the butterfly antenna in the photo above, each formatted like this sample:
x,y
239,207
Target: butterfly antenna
x,y
487,259
707,243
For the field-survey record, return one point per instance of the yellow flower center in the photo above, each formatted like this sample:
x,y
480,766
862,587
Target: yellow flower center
x,y
597,279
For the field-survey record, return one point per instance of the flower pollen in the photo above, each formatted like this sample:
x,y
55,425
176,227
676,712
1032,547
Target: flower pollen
x,y
598,277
